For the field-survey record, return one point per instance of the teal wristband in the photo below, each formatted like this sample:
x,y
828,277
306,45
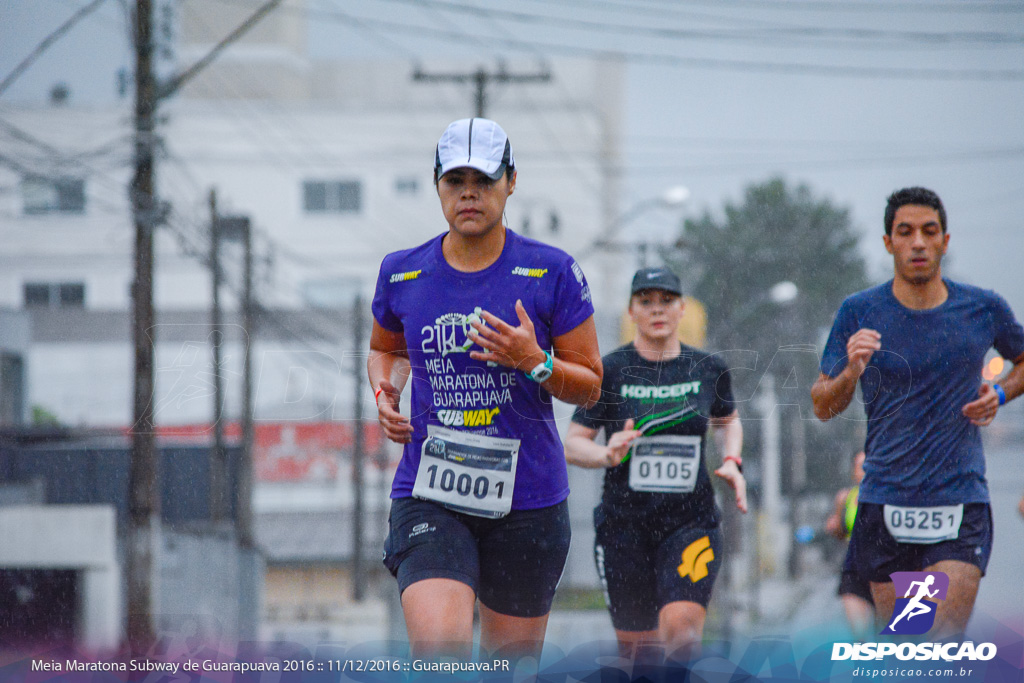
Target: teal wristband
x,y
1000,393
542,372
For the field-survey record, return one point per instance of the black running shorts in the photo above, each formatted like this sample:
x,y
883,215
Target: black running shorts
x,y
878,554
852,583
512,563
642,572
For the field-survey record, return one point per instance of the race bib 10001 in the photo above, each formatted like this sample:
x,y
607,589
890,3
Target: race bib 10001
x,y
469,473
664,463
923,524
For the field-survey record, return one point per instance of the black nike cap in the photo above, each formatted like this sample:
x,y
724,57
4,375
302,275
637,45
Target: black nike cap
x,y
656,278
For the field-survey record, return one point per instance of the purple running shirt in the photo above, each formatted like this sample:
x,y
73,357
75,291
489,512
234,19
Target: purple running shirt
x,y
422,297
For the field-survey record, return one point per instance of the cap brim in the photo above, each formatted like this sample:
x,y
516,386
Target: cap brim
x,y
485,167
664,288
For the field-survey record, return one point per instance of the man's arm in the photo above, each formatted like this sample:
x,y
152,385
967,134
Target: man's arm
x,y
983,409
831,395
1013,383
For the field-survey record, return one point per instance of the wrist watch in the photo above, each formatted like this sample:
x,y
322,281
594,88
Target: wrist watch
x,y
543,371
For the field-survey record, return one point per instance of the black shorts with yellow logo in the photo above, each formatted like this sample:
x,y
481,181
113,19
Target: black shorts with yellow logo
x,y
642,571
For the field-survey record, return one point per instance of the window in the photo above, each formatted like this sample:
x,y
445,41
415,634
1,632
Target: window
x,y
332,196
37,295
12,389
407,185
54,294
71,295
53,195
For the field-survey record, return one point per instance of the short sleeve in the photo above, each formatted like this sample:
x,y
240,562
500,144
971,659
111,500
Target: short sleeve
x,y
1009,335
573,303
596,416
381,306
605,412
723,404
833,360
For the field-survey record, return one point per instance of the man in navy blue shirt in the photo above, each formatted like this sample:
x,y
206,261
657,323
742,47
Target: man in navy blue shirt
x,y
916,345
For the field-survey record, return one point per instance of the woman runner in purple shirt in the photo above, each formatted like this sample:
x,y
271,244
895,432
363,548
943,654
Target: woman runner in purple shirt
x,y
489,325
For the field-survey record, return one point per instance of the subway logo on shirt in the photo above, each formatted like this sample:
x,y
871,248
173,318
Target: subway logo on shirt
x,y
467,418
529,272
669,391
402,277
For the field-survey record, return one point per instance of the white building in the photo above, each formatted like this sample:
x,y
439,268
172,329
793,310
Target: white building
x,y
332,163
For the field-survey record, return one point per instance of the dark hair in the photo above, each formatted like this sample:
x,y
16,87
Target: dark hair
x,y
913,195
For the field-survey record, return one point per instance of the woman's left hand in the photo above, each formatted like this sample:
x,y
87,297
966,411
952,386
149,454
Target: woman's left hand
x,y
732,475
513,347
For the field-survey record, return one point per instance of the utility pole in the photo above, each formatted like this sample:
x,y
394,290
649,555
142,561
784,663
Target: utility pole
x,y
771,486
239,229
143,493
480,80
245,532
358,456
797,483
218,455
143,530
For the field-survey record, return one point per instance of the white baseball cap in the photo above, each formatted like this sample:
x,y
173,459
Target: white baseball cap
x,y
473,143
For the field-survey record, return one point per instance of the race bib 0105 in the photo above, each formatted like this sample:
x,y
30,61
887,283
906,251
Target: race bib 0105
x,y
664,463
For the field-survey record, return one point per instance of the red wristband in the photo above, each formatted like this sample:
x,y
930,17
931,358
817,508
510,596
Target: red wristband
x,y
376,395
736,459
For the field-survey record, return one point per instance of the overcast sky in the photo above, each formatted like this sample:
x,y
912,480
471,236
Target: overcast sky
x,y
853,98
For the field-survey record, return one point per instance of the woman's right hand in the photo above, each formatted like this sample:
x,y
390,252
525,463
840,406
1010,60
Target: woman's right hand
x,y
397,427
619,444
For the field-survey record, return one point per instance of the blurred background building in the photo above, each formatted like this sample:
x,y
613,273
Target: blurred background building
x,y
331,163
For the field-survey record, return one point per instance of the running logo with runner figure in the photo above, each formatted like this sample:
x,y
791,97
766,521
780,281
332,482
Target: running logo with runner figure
x,y
914,613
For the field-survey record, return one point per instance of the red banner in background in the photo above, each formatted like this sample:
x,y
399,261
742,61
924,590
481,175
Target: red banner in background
x,y
307,451
290,451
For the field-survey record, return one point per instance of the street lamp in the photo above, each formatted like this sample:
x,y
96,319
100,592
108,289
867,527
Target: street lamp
x,y
783,292
677,195
769,534
769,521
672,197
780,294
611,264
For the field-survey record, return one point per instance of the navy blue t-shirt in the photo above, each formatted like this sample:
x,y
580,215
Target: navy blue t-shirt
x,y
430,303
920,448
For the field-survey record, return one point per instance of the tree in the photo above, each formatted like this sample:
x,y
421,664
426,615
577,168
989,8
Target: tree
x,y
776,234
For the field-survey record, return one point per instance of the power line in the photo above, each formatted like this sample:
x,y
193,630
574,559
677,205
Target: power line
x,y
746,35
886,6
554,140
481,78
633,8
46,43
363,27
977,156
172,86
750,66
